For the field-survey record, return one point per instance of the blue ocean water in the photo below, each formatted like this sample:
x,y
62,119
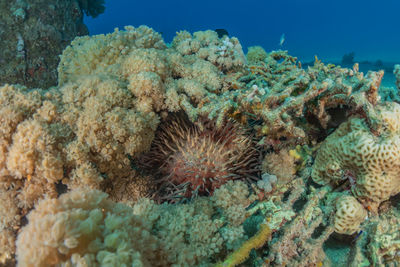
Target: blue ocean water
x,y
328,29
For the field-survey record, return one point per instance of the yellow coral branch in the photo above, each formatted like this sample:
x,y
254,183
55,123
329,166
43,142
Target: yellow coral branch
x,y
240,255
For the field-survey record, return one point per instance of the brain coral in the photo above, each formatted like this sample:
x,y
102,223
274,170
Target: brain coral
x,y
349,214
367,152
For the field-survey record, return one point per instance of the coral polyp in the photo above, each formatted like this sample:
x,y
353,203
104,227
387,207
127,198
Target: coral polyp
x,y
190,160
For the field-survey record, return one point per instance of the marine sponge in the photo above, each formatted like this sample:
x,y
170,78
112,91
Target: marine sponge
x,y
192,160
349,215
84,228
367,152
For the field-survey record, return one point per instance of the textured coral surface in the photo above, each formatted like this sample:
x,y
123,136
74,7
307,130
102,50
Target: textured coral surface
x,y
368,156
85,166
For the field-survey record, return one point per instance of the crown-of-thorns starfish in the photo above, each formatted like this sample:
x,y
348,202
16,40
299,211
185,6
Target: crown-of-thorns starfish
x,y
190,160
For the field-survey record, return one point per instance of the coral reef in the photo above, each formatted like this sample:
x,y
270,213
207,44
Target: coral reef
x,y
86,131
33,34
299,242
132,121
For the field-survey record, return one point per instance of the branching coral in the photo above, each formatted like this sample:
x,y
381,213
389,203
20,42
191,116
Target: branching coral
x,y
300,240
288,100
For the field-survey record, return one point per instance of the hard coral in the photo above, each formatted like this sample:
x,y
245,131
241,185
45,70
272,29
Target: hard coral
x,y
349,215
191,160
367,152
292,104
255,54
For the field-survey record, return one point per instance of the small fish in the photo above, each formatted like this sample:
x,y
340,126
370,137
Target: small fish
x,y
357,236
282,40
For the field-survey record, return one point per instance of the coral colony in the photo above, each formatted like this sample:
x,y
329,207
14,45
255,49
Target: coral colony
x,y
194,154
